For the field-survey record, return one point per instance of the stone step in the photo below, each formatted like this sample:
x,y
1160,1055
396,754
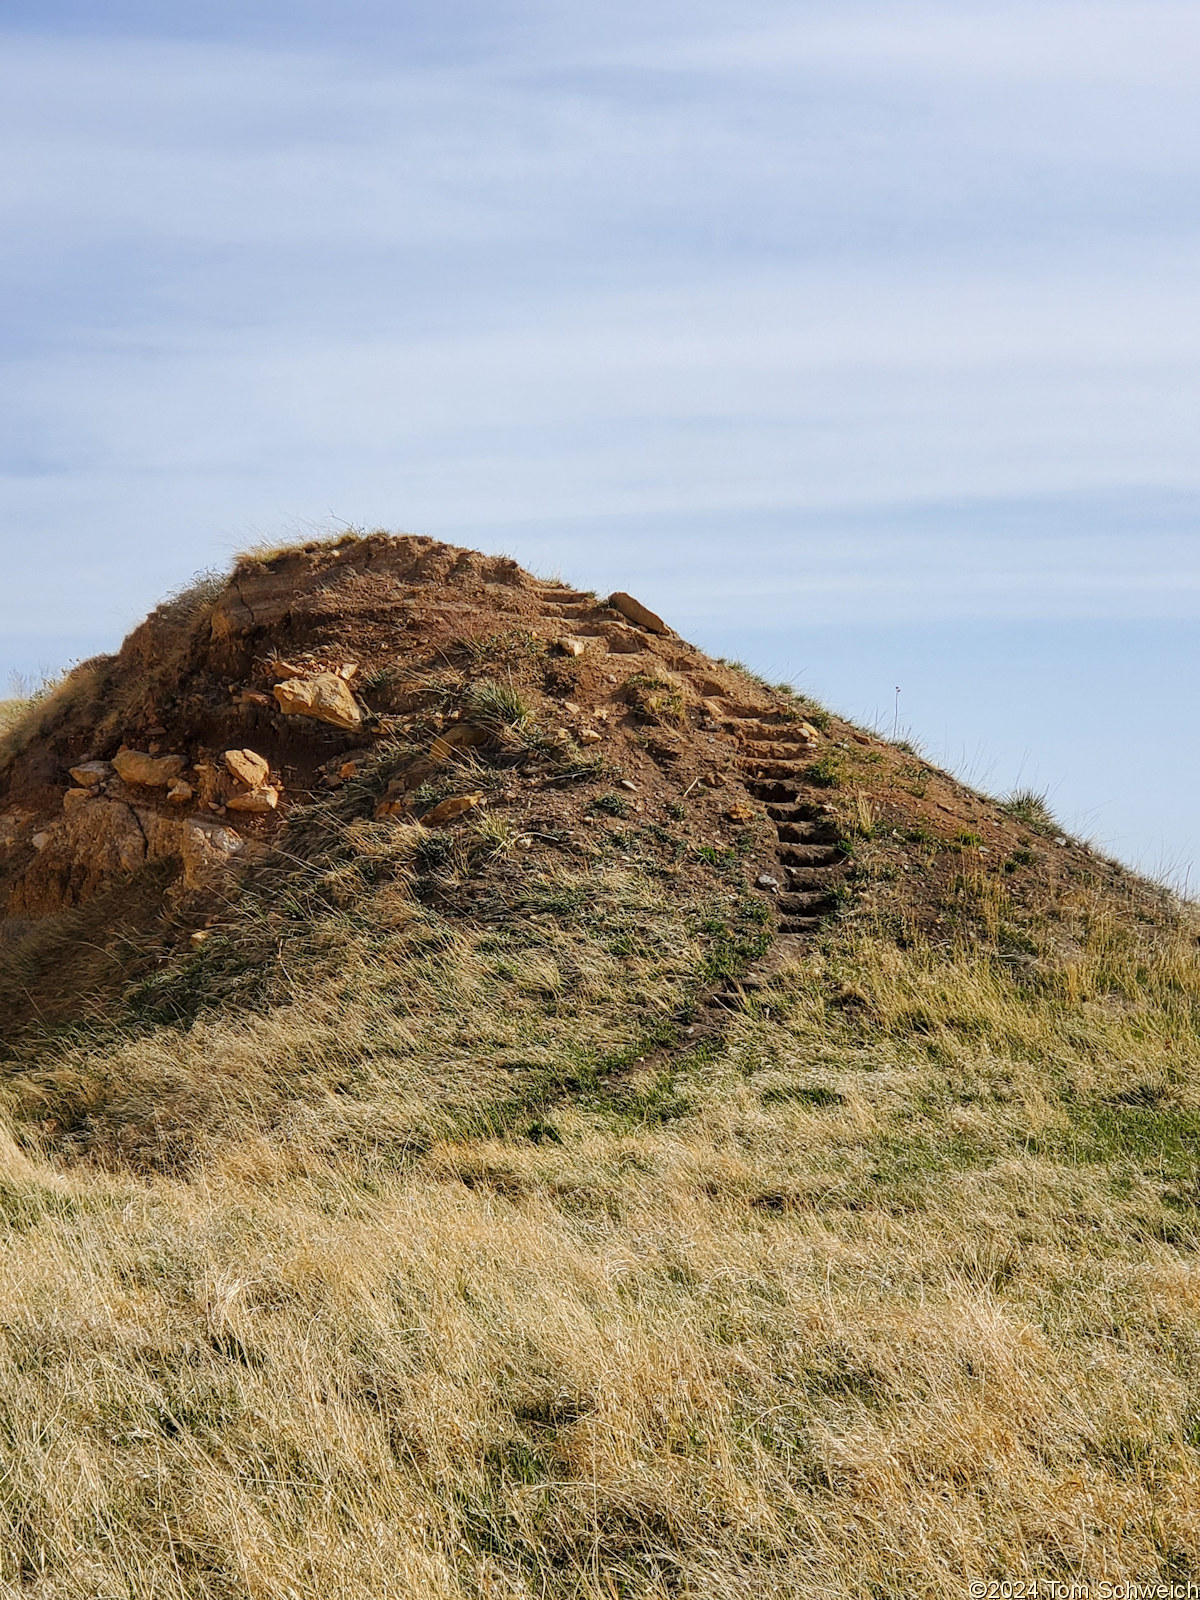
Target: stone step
x,y
778,750
748,731
775,792
792,811
566,597
760,770
571,609
805,833
812,878
810,855
805,902
800,924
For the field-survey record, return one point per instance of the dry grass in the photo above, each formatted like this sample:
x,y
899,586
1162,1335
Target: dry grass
x,y
442,1291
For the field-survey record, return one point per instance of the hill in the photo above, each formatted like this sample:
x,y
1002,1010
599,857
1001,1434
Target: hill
x,y
500,1103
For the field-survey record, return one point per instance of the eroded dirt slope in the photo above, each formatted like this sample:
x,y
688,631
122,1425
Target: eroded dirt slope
x,y
427,684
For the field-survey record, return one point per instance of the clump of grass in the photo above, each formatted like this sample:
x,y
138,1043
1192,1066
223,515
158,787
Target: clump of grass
x,y
827,772
612,804
1030,806
862,820
194,598
512,645
499,707
655,699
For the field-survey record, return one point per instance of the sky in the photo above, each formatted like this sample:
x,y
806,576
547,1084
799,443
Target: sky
x,y
858,338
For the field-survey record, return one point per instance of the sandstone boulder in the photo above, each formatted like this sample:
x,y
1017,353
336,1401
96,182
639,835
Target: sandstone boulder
x,y
163,835
90,846
255,801
89,773
623,640
637,613
153,772
326,697
208,849
248,767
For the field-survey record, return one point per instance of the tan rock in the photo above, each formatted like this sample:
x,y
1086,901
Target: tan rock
x,y
449,809
180,792
163,835
257,801
623,640
741,813
569,645
77,797
209,849
88,773
153,772
347,670
461,736
325,697
93,843
248,767
637,612
250,697
589,736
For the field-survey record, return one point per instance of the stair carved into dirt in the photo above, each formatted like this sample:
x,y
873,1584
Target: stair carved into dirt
x,y
773,759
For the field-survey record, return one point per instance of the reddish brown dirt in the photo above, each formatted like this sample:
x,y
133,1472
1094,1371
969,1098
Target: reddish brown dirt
x,y
801,794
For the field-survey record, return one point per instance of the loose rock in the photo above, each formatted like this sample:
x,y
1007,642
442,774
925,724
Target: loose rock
x,y
88,773
325,697
153,772
449,809
248,767
257,801
637,612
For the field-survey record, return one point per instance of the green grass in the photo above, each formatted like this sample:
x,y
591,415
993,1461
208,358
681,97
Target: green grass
x,y
1030,806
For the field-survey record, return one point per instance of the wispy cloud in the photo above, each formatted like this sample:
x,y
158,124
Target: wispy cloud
x,y
598,268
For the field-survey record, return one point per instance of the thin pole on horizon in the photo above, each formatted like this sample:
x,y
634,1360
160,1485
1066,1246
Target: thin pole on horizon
x,y
896,716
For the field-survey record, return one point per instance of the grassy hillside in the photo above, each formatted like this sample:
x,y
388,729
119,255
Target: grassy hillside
x,y
395,1236
10,712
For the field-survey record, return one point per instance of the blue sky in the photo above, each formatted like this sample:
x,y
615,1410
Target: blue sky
x,y
861,339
